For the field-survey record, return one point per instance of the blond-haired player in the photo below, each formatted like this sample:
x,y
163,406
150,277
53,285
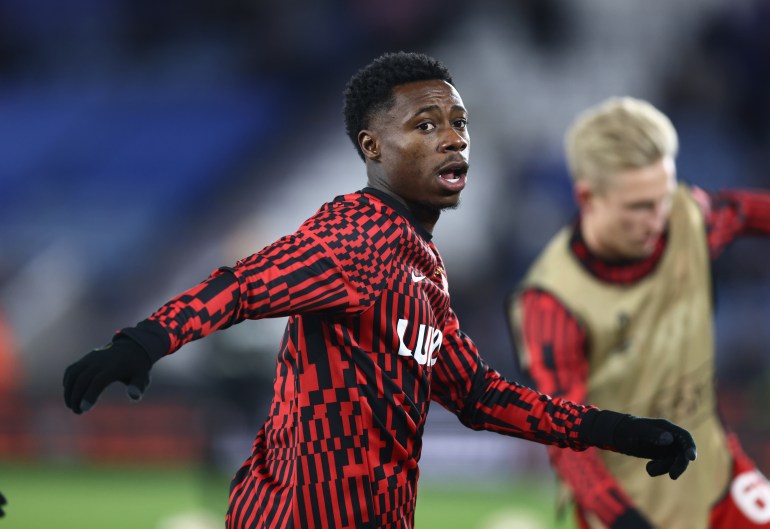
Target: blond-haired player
x,y
617,310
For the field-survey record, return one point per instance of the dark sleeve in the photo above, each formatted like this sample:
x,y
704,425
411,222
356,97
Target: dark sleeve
x,y
733,213
483,400
333,263
557,348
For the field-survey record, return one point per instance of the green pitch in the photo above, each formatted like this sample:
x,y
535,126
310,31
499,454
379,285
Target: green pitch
x,y
80,497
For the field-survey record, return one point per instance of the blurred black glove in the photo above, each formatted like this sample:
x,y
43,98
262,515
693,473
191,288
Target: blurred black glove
x,y
2,503
631,519
669,447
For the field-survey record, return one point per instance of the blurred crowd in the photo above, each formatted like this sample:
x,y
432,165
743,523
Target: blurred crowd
x,y
146,143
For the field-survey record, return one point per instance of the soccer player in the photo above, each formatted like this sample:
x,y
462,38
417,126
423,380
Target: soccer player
x,y
617,310
371,337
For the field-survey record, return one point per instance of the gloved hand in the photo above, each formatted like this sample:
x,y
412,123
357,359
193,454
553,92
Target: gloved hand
x,y
2,503
670,447
122,360
631,519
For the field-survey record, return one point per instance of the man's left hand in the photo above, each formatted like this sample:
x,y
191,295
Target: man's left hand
x,y
669,447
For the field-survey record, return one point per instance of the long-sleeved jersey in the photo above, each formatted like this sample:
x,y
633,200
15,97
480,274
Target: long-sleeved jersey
x,y
371,339
558,346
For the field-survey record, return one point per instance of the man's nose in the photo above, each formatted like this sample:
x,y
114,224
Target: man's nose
x,y
454,141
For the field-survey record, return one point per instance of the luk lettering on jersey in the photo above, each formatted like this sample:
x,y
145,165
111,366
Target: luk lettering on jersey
x,y
428,343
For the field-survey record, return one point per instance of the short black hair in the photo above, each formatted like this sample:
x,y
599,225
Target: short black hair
x,y
371,88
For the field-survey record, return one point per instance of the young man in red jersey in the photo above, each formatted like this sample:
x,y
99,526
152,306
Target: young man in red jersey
x,y
617,309
371,338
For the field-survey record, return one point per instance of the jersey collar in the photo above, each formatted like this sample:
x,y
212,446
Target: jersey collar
x,y
401,209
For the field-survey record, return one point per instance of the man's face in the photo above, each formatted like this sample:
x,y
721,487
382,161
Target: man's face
x,y
626,219
418,149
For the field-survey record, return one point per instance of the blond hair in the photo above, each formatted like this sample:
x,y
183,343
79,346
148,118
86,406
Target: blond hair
x,y
618,134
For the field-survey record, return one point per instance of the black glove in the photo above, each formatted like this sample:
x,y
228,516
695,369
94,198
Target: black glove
x,y
122,360
631,519
2,503
670,447
127,359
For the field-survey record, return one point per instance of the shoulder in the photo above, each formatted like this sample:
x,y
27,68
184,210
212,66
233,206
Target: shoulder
x,y
536,299
356,219
556,254
358,208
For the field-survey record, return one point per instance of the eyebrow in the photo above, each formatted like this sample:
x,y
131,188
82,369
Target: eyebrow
x,y
431,108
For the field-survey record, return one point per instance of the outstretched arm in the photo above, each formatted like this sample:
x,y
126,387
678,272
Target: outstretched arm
x,y
464,384
483,399
308,271
732,213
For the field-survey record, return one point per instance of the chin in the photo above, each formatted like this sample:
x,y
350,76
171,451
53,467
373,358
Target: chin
x,y
640,253
450,203
441,205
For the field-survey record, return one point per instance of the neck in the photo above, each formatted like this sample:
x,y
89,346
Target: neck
x,y
592,241
588,237
424,215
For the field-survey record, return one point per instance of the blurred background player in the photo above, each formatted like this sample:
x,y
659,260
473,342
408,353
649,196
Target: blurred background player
x,y
617,310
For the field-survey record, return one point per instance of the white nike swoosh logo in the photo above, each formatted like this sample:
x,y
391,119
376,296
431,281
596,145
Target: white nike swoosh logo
x,y
417,278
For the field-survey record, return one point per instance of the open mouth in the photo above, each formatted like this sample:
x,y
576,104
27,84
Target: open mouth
x,y
453,177
454,173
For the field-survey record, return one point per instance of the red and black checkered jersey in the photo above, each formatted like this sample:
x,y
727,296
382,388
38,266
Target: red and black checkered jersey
x,y
370,341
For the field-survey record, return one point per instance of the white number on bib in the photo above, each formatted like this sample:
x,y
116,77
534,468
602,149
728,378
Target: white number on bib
x,y
751,493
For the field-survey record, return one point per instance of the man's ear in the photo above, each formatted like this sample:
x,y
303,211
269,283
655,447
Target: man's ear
x,y
583,194
369,145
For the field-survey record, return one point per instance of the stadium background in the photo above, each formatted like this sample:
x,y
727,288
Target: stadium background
x,y
144,143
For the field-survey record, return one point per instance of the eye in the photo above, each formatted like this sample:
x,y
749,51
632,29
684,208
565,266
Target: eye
x,y
640,207
461,124
426,126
